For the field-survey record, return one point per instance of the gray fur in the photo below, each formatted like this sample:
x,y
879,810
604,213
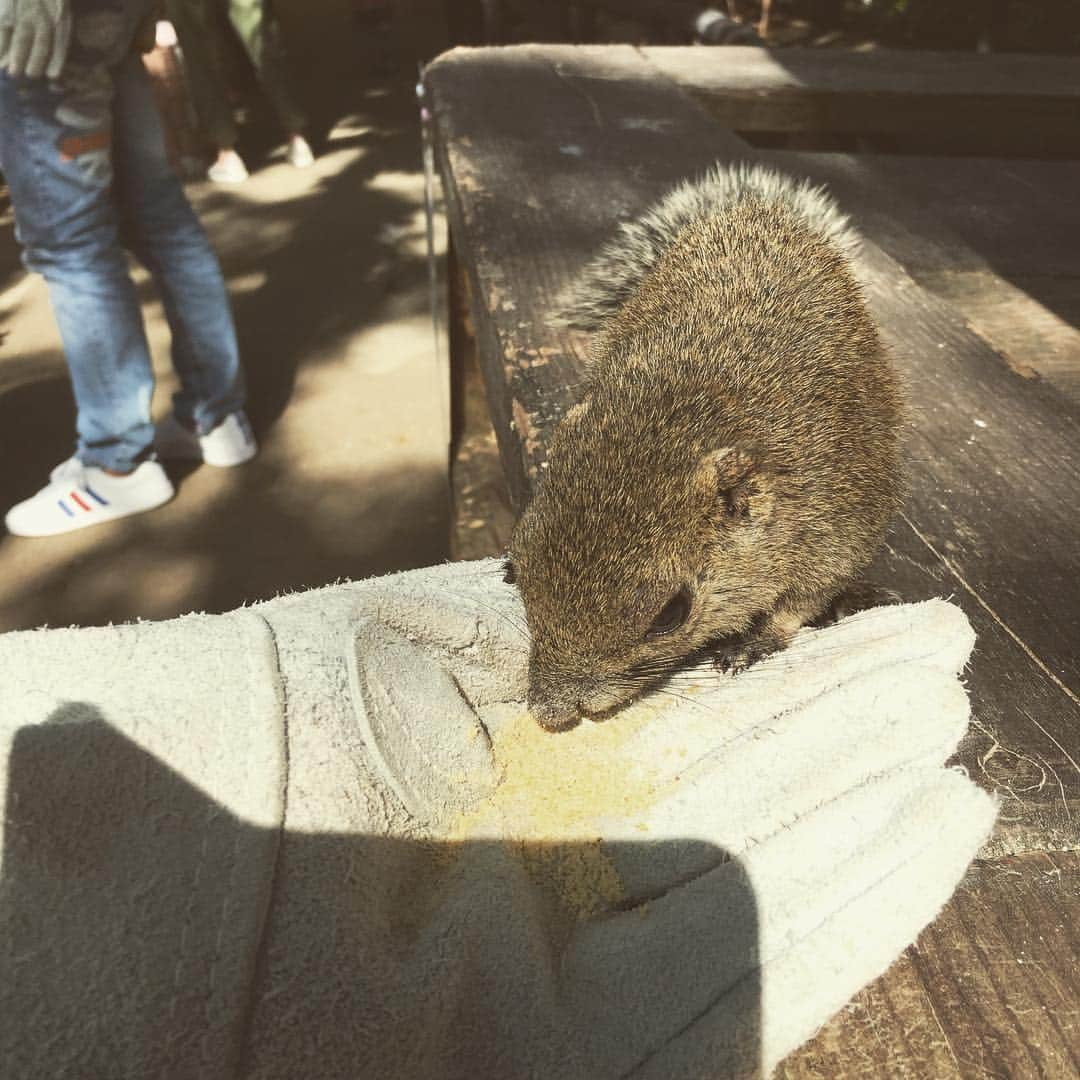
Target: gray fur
x,y
615,273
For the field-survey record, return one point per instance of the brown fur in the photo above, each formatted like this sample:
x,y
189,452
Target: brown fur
x,y
737,439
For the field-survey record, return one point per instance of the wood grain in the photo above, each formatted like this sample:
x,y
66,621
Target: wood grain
x,y
995,239
1005,100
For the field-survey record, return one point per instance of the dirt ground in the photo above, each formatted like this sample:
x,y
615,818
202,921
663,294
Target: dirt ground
x,y
328,274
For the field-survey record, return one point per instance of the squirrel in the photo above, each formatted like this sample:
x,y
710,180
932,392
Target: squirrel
x,y
734,460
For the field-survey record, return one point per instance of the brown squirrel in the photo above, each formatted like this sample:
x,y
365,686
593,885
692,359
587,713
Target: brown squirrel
x,y
734,461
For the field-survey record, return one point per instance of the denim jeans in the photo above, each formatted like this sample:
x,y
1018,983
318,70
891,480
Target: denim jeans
x,y
84,158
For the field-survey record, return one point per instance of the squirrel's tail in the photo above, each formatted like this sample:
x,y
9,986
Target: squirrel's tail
x,y
617,271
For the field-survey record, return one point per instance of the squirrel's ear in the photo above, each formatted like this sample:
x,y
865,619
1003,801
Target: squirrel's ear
x,y
732,476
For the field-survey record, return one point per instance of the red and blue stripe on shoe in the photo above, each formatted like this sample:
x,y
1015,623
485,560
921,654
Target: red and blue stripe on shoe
x,y
78,497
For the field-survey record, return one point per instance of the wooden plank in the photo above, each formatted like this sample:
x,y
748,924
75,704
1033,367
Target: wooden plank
x,y
1018,216
990,989
969,526
1032,337
1008,98
994,466
992,512
482,519
988,447
997,239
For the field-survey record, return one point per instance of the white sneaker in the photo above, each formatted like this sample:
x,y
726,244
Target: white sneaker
x,y
228,169
230,443
79,495
299,153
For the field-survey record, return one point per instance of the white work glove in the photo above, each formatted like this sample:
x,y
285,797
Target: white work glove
x,y
34,37
737,856
326,828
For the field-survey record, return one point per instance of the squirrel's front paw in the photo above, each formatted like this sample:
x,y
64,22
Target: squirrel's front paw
x,y
858,596
733,655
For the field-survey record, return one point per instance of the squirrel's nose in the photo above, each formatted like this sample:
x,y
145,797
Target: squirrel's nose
x,y
555,718
553,704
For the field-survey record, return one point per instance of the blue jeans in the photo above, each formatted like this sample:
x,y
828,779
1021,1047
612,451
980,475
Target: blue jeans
x,y
84,158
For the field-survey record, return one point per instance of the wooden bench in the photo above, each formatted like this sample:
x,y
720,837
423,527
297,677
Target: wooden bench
x,y
972,272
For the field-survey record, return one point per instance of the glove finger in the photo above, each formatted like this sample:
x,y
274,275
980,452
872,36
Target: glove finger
x,y
61,43
933,632
718,708
709,711
22,42
818,865
40,52
815,975
692,952
752,787
5,45
635,978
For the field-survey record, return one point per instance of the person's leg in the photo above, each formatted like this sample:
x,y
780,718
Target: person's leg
x,y
200,27
56,154
161,228
197,28
258,29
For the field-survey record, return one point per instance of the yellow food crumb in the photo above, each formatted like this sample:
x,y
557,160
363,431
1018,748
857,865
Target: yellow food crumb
x,y
555,797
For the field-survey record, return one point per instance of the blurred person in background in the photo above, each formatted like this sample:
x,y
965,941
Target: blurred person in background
x,y
82,150
200,27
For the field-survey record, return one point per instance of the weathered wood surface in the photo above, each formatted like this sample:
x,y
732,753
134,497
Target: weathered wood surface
x,y
995,458
997,239
1005,97
543,151
482,517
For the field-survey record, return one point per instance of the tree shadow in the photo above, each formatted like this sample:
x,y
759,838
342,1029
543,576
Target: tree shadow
x,y
149,931
11,268
253,534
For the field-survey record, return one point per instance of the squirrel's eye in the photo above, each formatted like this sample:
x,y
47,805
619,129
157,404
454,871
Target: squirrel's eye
x,y
672,615
509,573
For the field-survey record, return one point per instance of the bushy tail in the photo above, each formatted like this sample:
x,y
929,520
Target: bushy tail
x,y
617,271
